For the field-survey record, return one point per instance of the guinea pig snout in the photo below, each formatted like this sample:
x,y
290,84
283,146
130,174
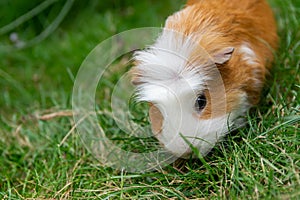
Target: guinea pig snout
x,y
156,119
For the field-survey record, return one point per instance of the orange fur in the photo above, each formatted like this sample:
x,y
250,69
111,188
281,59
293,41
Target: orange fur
x,y
231,23
191,2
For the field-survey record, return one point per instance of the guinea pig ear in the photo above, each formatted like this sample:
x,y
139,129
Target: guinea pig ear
x,y
223,55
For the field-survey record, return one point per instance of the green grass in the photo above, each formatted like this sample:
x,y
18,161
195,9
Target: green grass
x,y
259,161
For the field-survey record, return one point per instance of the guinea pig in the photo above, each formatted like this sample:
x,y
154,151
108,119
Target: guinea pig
x,y
204,71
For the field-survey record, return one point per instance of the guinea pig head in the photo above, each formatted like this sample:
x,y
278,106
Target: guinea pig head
x,y
185,91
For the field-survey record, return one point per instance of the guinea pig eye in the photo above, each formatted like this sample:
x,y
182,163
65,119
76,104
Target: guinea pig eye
x,y
200,102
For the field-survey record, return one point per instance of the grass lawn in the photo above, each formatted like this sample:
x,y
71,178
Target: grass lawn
x,y
259,161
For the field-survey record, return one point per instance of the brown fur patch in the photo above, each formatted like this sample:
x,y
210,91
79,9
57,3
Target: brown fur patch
x,y
230,23
156,119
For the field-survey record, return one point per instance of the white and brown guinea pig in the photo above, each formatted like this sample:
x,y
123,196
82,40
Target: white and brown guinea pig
x,y
205,70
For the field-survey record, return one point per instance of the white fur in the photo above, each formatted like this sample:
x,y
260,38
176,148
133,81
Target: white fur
x,y
173,87
249,56
238,116
164,66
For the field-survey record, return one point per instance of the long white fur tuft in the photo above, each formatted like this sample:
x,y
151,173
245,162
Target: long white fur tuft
x,y
165,65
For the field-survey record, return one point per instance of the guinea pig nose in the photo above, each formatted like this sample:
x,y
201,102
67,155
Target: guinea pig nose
x,y
156,119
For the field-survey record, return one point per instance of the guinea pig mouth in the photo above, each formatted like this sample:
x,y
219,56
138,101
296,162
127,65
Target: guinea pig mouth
x,y
156,119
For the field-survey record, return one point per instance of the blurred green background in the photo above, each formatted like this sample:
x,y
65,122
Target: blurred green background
x,y
42,74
